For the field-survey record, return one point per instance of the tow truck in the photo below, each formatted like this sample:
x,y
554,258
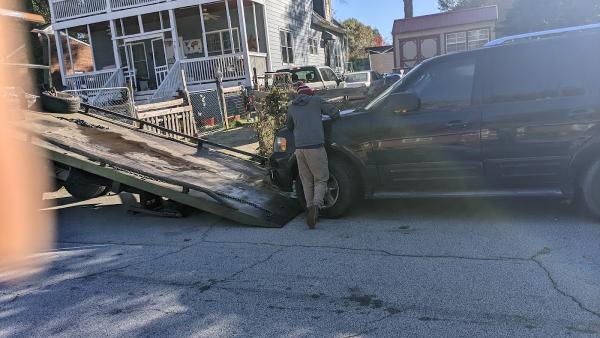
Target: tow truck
x,y
95,151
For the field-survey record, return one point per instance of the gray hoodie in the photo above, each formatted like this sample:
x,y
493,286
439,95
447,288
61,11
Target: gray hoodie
x,y
304,119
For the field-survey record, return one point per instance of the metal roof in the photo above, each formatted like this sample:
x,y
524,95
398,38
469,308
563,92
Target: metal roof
x,y
446,19
380,49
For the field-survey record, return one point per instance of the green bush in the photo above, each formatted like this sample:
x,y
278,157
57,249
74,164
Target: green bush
x,y
271,111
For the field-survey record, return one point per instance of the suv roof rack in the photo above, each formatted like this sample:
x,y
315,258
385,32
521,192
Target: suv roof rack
x,y
542,34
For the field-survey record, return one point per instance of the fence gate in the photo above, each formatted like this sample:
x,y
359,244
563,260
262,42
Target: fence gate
x,y
207,108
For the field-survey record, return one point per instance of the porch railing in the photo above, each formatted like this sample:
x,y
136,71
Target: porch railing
x,y
70,9
122,4
161,73
205,69
198,71
115,81
93,80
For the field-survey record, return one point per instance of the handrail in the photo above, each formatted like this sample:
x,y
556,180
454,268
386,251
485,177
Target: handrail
x,y
170,84
89,80
199,141
113,81
90,73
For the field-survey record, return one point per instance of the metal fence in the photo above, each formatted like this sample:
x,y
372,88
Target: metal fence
x,y
208,112
118,100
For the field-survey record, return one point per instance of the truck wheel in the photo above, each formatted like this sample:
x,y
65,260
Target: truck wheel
x,y
81,186
342,190
590,188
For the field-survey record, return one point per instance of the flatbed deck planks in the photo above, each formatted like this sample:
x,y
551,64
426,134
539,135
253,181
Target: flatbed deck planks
x,y
207,179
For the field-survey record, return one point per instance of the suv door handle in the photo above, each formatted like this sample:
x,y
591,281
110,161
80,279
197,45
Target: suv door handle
x,y
457,124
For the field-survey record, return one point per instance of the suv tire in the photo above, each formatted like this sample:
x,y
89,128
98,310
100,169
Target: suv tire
x,y
590,188
347,190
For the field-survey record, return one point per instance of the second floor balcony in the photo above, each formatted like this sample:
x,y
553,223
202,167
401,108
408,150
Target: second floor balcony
x,y
63,10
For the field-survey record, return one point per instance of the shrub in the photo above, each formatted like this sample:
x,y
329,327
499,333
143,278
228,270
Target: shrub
x,y
271,108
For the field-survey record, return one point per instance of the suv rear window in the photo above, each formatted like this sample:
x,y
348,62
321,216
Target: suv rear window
x,y
358,77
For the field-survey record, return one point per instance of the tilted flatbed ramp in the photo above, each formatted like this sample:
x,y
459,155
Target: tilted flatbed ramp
x,y
207,179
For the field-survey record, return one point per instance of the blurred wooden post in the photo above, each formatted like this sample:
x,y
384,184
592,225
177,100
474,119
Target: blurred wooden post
x,y
222,101
186,92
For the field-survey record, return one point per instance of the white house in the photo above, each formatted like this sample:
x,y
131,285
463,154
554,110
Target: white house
x,y
148,42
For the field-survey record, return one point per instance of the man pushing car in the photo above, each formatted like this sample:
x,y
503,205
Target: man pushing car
x,y
304,120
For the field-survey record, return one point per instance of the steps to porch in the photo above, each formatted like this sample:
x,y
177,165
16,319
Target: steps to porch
x,y
144,97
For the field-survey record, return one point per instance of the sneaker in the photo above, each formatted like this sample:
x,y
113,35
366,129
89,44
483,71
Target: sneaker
x,y
311,218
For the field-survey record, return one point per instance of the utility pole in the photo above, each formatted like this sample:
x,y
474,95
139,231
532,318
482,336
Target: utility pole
x,y
408,9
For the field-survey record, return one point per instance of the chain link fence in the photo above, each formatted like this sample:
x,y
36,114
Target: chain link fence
x,y
118,100
208,112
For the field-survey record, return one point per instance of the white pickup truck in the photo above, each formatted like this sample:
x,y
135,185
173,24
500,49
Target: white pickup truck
x,y
314,77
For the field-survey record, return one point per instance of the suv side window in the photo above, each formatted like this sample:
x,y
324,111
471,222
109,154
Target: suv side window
x,y
444,84
541,70
520,73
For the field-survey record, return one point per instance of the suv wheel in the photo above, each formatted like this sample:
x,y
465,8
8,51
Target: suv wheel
x,y
590,188
342,190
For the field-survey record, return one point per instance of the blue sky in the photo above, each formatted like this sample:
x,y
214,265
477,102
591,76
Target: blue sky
x,y
380,13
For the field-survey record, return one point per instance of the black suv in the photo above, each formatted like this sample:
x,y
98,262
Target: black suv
x,y
518,117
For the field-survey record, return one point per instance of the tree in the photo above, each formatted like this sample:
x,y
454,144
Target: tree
x,y
533,15
449,5
408,9
40,7
360,36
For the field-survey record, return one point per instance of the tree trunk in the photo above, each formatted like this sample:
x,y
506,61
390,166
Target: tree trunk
x,y
408,9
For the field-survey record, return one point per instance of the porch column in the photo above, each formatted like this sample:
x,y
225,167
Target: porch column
x,y
91,46
69,49
244,38
113,35
267,40
228,14
175,34
61,57
204,42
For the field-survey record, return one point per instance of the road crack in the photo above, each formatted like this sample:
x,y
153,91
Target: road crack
x,y
555,286
216,282
376,251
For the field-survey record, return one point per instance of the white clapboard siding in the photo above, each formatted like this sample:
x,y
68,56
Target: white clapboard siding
x,y
294,16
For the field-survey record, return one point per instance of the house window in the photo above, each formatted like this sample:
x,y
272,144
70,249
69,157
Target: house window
x,y
478,38
313,46
461,41
337,55
287,49
219,42
456,42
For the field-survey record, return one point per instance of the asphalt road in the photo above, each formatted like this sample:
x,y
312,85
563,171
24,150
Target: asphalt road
x,y
395,268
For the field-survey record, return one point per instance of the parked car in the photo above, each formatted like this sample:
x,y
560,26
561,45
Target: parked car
x,y
390,79
314,77
365,79
362,79
519,118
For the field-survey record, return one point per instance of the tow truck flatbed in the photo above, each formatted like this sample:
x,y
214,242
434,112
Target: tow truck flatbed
x,y
192,173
